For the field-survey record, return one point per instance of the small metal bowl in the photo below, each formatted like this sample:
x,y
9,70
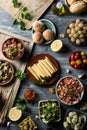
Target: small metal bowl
x,y
43,118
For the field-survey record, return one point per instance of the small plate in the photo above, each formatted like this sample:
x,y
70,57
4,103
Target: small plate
x,y
35,59
49,25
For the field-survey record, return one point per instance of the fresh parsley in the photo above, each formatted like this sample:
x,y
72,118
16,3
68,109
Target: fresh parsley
x,y
23,14
20,75
21,103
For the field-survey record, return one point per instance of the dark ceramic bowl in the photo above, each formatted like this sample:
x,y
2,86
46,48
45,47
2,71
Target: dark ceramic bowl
x,y
13,49
76,34
78,59
6,72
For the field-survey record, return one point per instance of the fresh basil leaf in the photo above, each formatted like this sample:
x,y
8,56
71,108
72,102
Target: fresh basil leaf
x,y
24,9
14,21
22,25
15,3
27,16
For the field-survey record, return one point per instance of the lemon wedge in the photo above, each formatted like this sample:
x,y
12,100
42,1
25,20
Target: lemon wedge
x,y
56,45
15,114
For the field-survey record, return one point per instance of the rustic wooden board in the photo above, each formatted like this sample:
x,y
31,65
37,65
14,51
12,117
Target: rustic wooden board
x,y
36,9
9,92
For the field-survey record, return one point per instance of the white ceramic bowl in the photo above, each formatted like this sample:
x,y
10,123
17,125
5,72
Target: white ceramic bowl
x,y
67,95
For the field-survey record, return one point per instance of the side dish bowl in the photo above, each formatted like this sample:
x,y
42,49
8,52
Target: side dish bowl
x,y
76,32
49,25
6,72
78,59
74,119
13,49
69,90
49,111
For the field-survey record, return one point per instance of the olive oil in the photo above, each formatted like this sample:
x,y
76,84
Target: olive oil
x,y
58,9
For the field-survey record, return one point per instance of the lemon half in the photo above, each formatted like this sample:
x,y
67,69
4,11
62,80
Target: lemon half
x,y
14,114
56,45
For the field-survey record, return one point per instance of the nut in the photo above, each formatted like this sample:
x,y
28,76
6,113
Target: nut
x,y
78,7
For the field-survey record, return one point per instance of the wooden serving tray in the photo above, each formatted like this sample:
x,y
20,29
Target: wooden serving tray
x,y
9,92
36,9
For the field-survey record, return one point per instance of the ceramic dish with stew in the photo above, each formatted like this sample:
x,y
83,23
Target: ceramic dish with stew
x,y
78,59
74,120
6,72
13,49
49,25
76,32
49,111
69,90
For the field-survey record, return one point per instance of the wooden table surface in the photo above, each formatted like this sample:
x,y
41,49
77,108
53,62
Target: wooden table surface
x,y
61,57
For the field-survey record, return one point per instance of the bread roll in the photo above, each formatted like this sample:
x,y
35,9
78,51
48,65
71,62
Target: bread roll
x,y
38,38
48,35
38,26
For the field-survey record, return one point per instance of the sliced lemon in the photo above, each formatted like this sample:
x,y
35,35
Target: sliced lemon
x,y
56,45
14,114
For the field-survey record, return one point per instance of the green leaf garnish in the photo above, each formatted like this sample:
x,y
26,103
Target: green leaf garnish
x,y
21,103
15,3
41,81
70,91
20,75
23,14
13,52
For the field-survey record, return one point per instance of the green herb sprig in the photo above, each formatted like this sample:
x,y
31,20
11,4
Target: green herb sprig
x,y
13,51
20,75
15,3
41,81
21,103
23,14
70,91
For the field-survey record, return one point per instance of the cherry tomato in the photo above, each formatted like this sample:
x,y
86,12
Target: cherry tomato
x,y
72,57
77,56
79,62
77,66
72,62
85,61
83,53
84,57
